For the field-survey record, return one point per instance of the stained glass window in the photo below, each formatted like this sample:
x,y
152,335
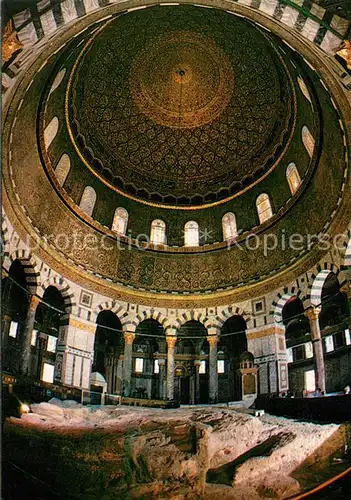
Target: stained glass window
x,y
191,234
264,208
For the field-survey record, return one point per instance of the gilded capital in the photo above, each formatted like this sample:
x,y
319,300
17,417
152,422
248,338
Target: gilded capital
x,y
171,342
10,42
212,340
312,313
345,52
34,301
129,337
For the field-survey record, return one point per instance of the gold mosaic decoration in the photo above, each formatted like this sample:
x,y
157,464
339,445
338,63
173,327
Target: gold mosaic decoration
x,y
182,80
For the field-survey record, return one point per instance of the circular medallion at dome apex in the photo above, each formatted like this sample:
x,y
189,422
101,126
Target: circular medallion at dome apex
x,y
180,101
182,80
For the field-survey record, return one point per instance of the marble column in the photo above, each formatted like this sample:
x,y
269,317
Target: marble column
x,y
197,363
213,374
119,381
127,363
171,342
312,314
161,380
27,334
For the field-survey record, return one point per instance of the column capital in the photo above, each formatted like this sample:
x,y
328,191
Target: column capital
x,y
212,340
213,330
129,337
6,317
197,363
129,328
171,331
161,361
171,341
34,302
312,313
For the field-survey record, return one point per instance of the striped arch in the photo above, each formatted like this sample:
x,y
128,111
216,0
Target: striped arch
x,y
230,311
5,238
67,294
151,314
280,301
113,306
315,296
347,258
30,266
191,316
212,322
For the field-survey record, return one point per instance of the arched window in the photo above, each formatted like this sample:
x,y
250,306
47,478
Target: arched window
x,y
58,79
51,131
308,140
120,221
304,88
293,177
264,208
158,232
191,234
62,169
88,200
229,226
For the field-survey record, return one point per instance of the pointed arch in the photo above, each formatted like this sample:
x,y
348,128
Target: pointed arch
x,y
151,314
318,284
190,316
264,207
113,306
87,202
65,289
158,232
120,221
31,269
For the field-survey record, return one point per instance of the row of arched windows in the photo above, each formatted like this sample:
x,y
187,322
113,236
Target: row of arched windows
x,y
191,228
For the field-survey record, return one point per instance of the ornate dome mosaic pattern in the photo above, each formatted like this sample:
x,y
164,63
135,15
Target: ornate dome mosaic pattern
x,y
180,104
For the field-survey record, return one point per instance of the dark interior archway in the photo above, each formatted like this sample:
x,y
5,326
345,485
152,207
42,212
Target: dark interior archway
x,y
335,308
49,317
15,301
108,347
231,346
149,342
296,324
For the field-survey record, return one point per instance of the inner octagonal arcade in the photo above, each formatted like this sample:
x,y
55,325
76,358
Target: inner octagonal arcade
x,y
176,202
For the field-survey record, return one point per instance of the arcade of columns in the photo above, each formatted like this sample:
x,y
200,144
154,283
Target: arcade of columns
x,y
265,343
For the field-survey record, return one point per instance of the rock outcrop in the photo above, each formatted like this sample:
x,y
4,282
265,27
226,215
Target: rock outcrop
x,y
178,454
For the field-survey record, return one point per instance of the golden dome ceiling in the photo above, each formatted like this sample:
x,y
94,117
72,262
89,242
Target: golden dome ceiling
x,y
180,105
